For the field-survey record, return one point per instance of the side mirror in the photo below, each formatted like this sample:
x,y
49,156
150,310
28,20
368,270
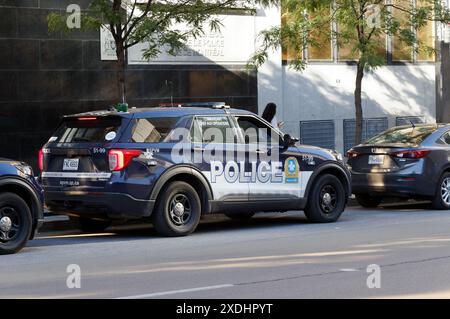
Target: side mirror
x,y
289,140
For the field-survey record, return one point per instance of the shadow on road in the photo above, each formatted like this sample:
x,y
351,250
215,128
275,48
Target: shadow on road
x,y
144,231
210,224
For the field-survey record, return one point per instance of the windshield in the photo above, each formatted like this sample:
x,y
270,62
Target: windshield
x,y
404,135
87,130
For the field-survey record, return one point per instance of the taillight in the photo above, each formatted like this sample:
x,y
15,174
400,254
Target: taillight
x,y
119,159
41,160
411,154
352,154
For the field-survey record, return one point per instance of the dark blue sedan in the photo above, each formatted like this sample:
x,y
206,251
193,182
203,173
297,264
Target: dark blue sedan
x,y
411,161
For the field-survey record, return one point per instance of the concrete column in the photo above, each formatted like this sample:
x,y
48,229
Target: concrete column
x,y
270,75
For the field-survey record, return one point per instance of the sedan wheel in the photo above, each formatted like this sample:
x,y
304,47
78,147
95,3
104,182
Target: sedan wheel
x,y
441,199
445,190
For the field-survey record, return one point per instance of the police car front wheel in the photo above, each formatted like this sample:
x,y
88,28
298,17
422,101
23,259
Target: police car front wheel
x,y
326,201
178,210
15,223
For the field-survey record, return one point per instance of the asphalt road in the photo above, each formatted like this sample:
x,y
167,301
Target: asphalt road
x,y
271,256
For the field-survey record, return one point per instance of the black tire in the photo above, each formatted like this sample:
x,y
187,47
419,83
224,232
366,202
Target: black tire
x,y
15,215
171,221
240,216
89,225
322,208
439,200
368,201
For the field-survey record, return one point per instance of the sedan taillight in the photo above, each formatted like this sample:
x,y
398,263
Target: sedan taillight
x,y
352,154
119,159
411,154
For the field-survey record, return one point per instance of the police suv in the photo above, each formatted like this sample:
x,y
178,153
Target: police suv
x,y
174,164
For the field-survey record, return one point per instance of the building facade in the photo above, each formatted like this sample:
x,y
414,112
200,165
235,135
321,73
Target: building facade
x,y
46,75
317,104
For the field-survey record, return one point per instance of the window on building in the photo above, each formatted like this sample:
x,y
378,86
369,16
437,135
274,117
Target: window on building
x,y
320,48
318,133
323,48
400,50
406,120
371,127
288,51
347,44
426,38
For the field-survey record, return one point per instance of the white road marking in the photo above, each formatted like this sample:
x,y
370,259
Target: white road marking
x,y
348,269
173,292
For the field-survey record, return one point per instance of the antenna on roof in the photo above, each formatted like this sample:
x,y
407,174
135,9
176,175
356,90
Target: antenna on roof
x,y
412,124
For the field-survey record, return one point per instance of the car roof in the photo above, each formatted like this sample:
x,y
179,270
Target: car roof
x,y
435,126
162,112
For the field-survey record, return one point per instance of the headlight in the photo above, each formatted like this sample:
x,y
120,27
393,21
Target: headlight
x,y
337,155
24,169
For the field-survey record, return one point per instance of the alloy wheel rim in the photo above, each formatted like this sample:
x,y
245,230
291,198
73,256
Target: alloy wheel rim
x,y
180,209
328,199
445,190
9,224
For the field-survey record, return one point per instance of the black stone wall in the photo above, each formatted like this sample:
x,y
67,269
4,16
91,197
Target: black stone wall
x,y
46,75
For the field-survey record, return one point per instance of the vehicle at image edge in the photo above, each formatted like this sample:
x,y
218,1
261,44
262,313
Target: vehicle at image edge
x,y
411,161
106,165
21,202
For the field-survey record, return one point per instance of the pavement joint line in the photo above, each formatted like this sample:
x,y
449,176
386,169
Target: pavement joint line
x,y
337,272
173,292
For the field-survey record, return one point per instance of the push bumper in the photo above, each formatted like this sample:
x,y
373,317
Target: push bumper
x,y
111,205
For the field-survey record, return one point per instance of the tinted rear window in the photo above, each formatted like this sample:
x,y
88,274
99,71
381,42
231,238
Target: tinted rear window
x,y
87,130
153,130
408,135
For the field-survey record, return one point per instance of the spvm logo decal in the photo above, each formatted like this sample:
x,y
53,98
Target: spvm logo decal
x,y
291,170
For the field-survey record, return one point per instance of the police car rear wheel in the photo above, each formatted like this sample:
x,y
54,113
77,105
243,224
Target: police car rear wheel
x,y
326,201
178,210
240,216
15,223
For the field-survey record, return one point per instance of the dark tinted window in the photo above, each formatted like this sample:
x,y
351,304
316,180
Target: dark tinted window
x,y
211,129
256,131
446,138
153,130
405,135
87,130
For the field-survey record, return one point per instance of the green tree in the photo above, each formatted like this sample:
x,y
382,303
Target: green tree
x,y
156,22
360,24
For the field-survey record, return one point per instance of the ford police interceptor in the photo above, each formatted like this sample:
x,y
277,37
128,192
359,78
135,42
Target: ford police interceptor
x,y
174,164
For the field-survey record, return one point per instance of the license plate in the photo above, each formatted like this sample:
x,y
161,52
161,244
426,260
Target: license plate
x,y
71,164
376,159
